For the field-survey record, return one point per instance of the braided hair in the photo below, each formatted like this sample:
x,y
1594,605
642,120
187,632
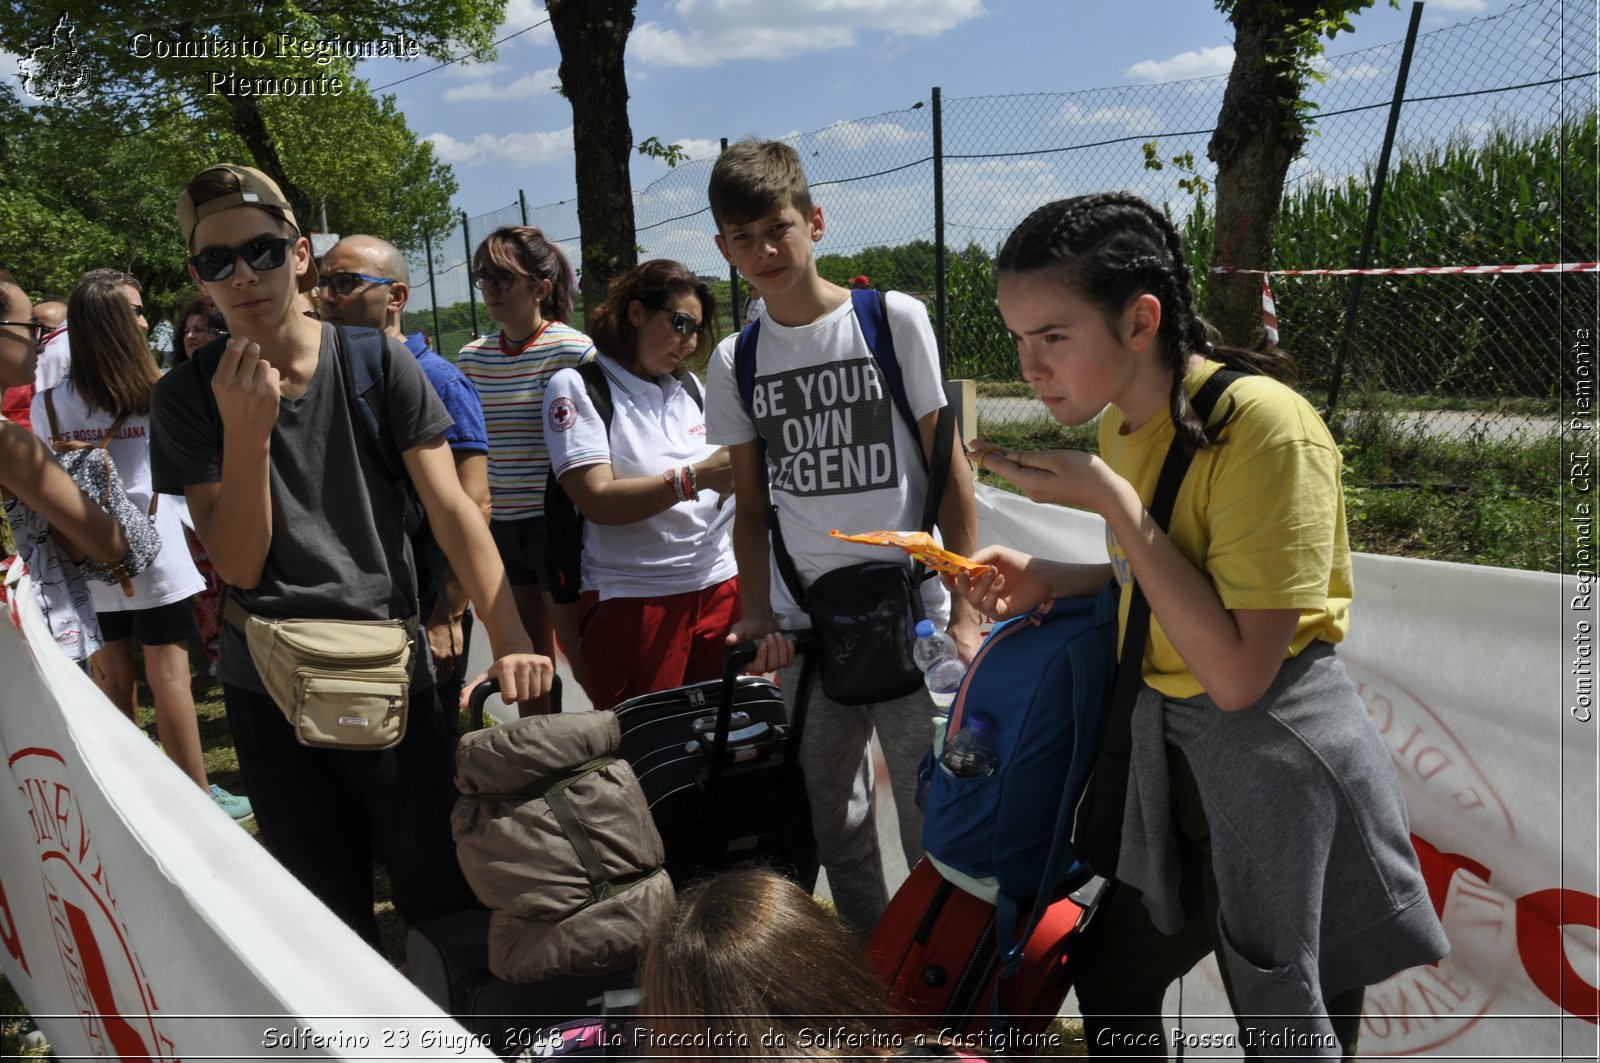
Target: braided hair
x,y
1111,248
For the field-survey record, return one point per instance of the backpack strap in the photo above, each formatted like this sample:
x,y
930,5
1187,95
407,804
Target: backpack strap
x,y
363,356
563,523
61,444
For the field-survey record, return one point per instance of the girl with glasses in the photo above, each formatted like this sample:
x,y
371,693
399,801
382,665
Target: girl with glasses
x,y
108,390
659,586
50,522
527,287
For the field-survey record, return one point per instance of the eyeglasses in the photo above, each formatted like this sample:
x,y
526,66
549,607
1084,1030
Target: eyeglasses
x,y
343,282
684,325
35,328
262,253
482,279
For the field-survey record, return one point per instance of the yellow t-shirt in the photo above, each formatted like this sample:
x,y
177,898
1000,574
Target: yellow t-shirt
x,y
1262,515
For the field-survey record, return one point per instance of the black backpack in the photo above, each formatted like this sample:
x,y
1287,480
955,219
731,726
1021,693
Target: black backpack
x,y
563,524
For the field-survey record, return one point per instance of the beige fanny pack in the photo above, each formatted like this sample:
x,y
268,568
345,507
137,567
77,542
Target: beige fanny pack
x,y
343,684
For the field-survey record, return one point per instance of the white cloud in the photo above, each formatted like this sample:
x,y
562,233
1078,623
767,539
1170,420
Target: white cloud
x,y
699,147
1468,7
516,149
483,87
1357,72
715,31
1133,119
1203,63
520,14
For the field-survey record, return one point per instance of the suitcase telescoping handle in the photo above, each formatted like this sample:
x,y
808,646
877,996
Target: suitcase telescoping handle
x,y
735,659
481,692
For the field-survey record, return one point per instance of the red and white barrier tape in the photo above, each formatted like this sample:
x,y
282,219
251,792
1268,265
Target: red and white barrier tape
x,y
1406,271
1269,309
1269,312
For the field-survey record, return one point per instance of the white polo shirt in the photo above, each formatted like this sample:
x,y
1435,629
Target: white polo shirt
x,y
655,425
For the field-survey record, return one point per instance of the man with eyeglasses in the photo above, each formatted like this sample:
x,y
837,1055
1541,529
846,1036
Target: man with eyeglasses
x,y
365,282
302,518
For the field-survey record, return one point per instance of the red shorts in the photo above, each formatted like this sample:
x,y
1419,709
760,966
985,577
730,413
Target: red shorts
x,y
638,646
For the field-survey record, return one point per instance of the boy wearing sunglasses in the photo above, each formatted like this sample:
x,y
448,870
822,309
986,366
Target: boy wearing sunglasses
x,y
303,520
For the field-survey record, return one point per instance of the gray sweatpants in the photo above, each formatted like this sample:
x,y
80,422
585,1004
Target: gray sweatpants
x,y
835,756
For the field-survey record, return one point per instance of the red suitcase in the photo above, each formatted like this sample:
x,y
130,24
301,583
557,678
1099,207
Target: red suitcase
x,y
935,950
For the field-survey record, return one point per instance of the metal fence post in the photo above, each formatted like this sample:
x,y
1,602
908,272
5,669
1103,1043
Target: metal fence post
x,y
472,291
433,286
735,302
522,201
1373,206
939,292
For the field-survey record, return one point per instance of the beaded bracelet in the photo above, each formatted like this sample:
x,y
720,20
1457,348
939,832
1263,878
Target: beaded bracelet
x,y
694,483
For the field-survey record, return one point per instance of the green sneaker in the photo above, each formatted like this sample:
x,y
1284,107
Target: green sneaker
x,y
237,807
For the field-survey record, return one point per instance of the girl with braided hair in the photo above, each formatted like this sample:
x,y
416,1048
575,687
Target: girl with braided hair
x,y
1264,820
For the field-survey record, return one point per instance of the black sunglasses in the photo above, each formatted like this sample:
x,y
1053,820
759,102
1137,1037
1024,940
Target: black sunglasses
x,y
35,328
262,253
345,282
684,325
482,279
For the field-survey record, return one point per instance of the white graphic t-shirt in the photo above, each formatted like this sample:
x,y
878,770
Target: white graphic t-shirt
x,y
838,454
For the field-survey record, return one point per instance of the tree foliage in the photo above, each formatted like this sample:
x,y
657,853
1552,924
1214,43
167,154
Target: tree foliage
x,y
91,180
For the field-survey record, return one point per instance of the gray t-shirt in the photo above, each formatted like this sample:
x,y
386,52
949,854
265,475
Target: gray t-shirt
x,y
339,548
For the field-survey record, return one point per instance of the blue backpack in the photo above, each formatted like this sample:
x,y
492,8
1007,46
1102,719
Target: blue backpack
x,y
1043,681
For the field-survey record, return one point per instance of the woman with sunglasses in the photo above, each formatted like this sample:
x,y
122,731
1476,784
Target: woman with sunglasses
x,y
527,287
50,520
107,391
659,587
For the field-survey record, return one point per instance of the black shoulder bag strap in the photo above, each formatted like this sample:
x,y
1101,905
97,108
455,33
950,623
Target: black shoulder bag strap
x,y
1097,823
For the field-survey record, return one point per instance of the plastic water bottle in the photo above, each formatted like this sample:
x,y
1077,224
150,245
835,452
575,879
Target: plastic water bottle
x,y
968,752
932,646
943,680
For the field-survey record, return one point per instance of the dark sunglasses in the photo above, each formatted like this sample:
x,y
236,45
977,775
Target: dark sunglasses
x,y
262,253
343,282
482,279
35,328
683,324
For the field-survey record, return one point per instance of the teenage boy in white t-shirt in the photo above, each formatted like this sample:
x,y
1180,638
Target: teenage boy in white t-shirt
x,y
813,356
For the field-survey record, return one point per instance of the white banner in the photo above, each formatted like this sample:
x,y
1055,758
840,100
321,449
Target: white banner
x,y
1481,681
137,921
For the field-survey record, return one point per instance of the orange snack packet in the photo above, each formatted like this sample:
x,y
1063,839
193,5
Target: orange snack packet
x,y
920,546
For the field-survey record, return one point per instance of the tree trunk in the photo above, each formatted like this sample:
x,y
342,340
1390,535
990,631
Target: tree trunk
x,y
593,35
252,129
1258,135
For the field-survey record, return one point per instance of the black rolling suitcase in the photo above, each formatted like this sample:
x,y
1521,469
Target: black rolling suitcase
x,y
718,763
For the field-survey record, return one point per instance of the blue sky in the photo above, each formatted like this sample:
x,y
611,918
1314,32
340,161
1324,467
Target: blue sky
x,y
703,69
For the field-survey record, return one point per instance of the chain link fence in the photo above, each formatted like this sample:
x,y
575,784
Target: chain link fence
x,y
1494,162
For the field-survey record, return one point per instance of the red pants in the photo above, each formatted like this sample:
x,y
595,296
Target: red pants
x,y
638,646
